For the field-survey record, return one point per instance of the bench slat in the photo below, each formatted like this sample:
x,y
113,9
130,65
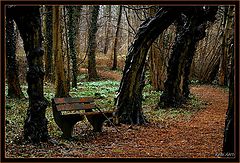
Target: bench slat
x,y
75,106
95,113
73,100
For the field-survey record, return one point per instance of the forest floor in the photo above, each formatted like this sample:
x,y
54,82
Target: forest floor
x,y
198,134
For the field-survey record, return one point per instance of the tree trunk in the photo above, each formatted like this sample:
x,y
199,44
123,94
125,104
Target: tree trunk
x,y
129,99
228,142
66,50
49,56
226,43
61,82
155,68
188,35
29,24
107,30
72,31
92,71
156,60
14,89
114,66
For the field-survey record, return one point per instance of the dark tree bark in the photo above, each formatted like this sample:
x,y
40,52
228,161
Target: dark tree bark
x,y
114,66
228,142
49,44
129,99
29,24
14,89
72,31
66,52
199,34
226,43
92,71
182,54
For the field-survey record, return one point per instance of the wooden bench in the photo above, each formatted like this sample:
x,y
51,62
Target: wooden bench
x,y
66,122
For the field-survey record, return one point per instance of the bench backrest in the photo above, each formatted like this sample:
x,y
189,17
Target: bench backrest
x,y
68,104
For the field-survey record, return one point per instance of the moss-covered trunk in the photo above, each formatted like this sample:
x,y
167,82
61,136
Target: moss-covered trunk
x,y
29,24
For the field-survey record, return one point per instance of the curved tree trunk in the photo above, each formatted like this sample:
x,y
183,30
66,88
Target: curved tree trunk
x,y
14,89
183,50
29,24
129,99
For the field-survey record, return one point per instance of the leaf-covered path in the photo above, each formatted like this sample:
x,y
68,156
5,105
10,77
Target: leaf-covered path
x,y
200,136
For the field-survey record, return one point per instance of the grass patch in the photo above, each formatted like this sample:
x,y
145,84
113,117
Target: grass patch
x,y
151,99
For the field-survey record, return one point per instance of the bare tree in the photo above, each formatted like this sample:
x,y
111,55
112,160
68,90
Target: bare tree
x,y
114,66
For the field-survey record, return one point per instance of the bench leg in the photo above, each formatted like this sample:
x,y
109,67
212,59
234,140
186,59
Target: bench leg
x,y
97,121
67,130
68,122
